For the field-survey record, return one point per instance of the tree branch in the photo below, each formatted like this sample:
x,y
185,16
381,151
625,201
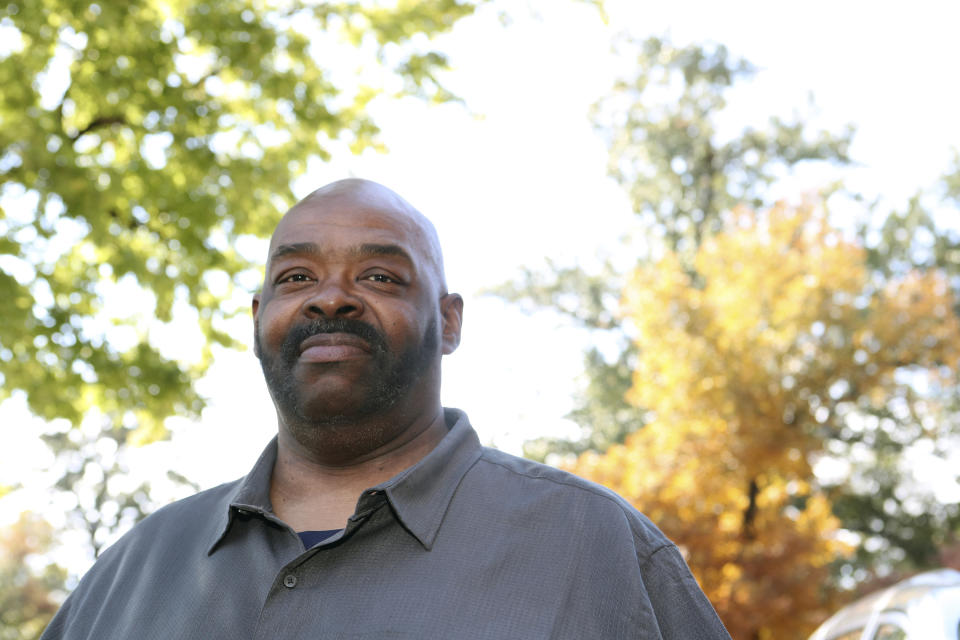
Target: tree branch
x,y
750,513
97,123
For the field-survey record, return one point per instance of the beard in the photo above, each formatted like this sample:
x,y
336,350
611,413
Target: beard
x,y
391,375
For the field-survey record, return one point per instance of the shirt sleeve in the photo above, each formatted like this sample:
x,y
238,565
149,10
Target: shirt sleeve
x,y
682,610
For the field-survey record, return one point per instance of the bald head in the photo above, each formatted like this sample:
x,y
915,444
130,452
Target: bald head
x,y
366,196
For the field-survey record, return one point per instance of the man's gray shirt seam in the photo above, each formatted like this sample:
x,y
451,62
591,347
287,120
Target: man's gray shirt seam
x,y
586,486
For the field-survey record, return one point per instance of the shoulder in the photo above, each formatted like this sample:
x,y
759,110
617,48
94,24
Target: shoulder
x,y
199,506
569,496
523,468
543,477
617,541
171,537
194,519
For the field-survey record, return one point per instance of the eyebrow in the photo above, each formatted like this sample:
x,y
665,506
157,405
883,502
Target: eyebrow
x,y
367,250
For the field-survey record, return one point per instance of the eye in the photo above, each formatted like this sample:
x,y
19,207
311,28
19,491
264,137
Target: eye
x,y
294,277
382,277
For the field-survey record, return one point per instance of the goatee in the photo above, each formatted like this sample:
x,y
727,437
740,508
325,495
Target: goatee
x,y
391,375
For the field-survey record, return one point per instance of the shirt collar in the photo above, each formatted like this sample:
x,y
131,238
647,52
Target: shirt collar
x,y
419,495
251,495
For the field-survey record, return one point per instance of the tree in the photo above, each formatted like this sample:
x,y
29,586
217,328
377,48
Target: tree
x,y
904,529
751,366
666,150
27,591
103,498
661,125
139,142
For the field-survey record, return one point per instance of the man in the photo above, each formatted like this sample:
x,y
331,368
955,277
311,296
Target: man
x,y
375,513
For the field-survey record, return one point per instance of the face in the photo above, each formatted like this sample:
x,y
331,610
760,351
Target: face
x,y
352,319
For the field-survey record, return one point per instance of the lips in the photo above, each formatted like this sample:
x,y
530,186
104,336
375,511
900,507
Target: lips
x,y
334,347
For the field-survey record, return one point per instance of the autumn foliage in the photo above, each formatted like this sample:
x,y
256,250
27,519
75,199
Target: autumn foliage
x,y
751,359
26,603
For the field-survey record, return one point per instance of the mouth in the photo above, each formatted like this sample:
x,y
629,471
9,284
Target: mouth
x,y
334,347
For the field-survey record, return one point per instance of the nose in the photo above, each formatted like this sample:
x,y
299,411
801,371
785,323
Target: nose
x,y
332,300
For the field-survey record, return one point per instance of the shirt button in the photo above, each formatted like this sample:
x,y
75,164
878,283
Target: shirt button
x,y
290,581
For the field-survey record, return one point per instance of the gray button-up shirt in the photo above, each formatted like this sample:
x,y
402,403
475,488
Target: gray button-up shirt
x,y
469,543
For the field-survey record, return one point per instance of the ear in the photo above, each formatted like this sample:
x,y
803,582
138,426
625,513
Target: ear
x,y
255,306
451,310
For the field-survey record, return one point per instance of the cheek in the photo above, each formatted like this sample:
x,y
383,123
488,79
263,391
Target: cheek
x,y
403,329
272,326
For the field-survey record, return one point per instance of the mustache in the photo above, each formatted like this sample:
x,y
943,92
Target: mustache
x,y
300,332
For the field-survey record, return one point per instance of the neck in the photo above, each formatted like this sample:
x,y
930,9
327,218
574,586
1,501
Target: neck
x,y
316,483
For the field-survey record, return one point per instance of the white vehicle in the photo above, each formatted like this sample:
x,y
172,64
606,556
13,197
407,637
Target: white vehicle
x,y
924,607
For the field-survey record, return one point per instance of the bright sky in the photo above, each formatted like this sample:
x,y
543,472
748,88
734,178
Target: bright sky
x,y
518,175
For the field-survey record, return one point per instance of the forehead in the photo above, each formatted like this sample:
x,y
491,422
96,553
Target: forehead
x,y
336,224
323,222
348,214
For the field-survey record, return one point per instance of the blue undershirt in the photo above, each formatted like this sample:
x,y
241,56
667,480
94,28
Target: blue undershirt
x,y
311,538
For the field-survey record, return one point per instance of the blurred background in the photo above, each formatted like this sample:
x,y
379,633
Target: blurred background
x,y
710,254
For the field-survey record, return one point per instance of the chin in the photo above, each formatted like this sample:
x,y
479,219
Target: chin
x,y
339,410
